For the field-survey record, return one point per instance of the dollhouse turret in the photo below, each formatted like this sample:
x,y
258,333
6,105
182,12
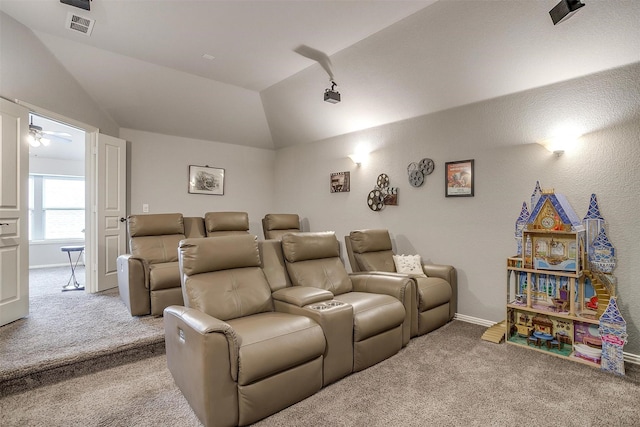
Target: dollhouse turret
x,y
521,223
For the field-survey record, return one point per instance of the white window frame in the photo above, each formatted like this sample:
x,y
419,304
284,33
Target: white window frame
x,y
37,231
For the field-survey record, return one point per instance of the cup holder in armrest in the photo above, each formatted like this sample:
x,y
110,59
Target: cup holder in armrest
x,y
326,305
334,303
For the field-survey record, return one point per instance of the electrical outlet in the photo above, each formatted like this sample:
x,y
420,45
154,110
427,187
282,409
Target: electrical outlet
x,y
145,207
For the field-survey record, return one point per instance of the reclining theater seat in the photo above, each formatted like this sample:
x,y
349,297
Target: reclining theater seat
x,y
148,277
313,260
335,318
436,298
275,225
226,223
236,360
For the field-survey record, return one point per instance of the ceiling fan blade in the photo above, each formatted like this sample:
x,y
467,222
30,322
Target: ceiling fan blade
x,y
59,138
61,134
316,55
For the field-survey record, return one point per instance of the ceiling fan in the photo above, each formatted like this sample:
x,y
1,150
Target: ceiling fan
x,y
37,136
330,94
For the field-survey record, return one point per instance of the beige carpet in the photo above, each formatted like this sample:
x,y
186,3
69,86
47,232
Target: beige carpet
x,y
450,377
65,329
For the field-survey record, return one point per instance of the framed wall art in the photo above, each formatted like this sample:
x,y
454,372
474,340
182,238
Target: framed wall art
x,y
206,180
458,178
340,182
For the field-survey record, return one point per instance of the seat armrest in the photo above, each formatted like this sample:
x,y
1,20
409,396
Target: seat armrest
x,y
336,320
202,356
393,284
133,284
448,273
400,286
302,295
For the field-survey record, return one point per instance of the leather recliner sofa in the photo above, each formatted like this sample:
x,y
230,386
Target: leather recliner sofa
x,y
148,276
436,294
235,358
313,260
236,355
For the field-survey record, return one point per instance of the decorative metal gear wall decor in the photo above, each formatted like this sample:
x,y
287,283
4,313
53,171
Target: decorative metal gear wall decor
x,y
418,171
382,194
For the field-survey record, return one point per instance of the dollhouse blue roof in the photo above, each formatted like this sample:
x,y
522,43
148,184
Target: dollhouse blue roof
x,y
562,207
602,241
594,210
524,215
612,314
535,196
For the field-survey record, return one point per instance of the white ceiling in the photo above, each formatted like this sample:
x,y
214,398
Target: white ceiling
x,y
144,65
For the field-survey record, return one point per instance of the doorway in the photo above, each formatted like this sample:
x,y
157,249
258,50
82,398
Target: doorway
x,y
57,205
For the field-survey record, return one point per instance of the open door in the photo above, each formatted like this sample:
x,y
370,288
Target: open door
x,y
108,239
14,238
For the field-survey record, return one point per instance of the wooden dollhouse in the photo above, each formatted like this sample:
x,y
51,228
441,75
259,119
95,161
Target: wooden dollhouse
x,y
559,284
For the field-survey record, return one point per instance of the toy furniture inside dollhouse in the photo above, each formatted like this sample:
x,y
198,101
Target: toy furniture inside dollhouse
x,y
560,290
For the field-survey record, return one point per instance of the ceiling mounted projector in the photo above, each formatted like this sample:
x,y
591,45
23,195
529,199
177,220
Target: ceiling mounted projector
x,y
332,95
564,10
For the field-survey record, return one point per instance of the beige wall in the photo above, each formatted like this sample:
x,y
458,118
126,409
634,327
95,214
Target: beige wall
x,y
30,73
158,176
476,234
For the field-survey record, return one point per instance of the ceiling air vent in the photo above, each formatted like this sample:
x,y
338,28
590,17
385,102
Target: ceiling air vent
x,y
79,23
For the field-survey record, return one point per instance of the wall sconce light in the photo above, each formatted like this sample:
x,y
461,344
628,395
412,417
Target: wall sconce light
x,y
359,156
563,139
552,147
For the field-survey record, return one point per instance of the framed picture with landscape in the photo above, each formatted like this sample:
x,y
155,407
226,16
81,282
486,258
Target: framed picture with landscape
x,y
458,177
206,180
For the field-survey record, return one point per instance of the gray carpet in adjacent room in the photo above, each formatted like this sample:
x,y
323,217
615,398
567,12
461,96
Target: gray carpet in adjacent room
x,y
450,377
65,329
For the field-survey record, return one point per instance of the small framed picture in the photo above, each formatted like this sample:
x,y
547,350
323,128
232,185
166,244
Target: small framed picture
x,y
206,180
458,177
340,182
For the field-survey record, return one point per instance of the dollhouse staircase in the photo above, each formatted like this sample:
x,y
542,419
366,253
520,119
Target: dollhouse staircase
x,y
602,292
496,333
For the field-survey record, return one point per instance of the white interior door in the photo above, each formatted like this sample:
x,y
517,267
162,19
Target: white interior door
x,y
14,237
110,207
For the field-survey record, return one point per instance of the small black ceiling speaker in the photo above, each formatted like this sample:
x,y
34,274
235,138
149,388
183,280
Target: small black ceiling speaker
x,y
82,4
564,10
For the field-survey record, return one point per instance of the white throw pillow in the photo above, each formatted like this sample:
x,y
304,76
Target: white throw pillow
x,y
409,264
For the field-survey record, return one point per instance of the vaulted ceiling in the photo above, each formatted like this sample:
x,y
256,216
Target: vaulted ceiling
x,y
227,71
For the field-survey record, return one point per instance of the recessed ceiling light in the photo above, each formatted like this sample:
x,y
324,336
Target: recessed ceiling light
x,y
209,57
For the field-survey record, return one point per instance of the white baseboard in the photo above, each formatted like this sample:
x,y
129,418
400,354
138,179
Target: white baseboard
x,y
474,320
628,357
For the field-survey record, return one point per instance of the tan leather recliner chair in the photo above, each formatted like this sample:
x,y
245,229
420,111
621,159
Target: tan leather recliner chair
x,y
436,297
335,317
275,225
313,260
226,223
233,357
148,277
